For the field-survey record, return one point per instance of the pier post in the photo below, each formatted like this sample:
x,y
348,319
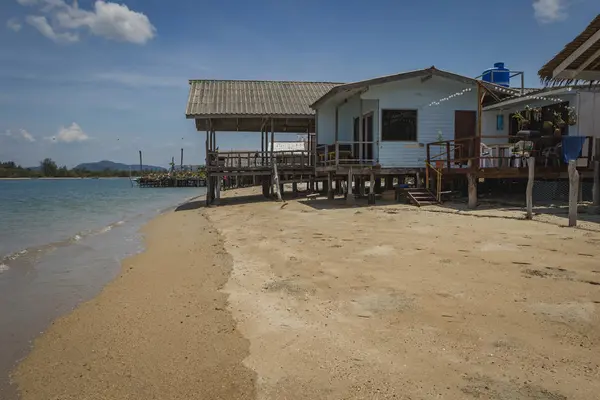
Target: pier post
x,y
573,192
418,180
529,191
218,190
349,195
472,179
389,182
378,185
372,189
295,189
596,183
330,193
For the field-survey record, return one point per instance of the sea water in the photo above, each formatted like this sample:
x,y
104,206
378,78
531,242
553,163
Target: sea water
x,y
61,241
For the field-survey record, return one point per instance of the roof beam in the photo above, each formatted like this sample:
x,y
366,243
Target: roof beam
x,y
576,54
583,76
573,73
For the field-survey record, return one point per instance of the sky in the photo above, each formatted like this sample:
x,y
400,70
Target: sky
x,y
99,80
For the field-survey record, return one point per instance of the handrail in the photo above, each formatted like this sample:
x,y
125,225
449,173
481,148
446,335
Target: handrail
x,y
438,194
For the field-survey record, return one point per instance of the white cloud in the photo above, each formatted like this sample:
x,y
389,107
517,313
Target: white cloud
x,y
23,134
107,19
42,25
548,11
26,135
70,134
14,25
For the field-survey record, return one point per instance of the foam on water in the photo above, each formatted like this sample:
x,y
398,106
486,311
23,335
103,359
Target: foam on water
x,y
3,268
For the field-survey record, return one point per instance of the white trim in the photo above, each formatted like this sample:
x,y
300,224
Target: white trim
x,y
576,54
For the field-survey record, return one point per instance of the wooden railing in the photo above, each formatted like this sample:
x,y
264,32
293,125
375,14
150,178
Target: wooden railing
x,y
345,153
498,152
253,160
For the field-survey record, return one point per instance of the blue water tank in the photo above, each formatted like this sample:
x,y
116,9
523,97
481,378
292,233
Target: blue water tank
x,y
498,75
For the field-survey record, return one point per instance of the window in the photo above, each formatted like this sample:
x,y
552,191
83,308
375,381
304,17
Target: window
x,y
500,122
399,125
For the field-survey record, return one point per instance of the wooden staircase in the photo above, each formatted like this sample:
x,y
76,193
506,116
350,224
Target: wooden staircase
x,y
421,197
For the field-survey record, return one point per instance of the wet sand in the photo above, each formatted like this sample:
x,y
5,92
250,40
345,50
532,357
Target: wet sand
x,y
323,301
161,330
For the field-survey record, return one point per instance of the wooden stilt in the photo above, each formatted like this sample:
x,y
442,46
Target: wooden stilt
x,y
372,189
418,180
573,192
472,179
596,183
330,193
349,195
218,190
378,185
389,182
529,191
295,189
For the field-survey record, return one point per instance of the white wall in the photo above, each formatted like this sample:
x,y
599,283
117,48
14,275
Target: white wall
x,y
589,114
414,94
326,124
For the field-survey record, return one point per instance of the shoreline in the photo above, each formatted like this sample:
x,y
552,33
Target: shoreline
x,y
334,302
153,329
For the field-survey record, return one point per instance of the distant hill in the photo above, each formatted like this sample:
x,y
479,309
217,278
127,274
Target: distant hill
x,y
113,166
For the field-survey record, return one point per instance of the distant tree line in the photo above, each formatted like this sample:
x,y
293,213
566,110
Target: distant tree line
x,y
49,169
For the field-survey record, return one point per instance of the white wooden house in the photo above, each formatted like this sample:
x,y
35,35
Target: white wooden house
x,y
387,121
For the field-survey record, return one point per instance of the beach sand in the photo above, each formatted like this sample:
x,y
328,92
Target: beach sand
x,y
161,330
335,302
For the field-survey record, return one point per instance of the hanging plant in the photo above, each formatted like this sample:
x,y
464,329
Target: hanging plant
x,y
559,122
572,116
522,120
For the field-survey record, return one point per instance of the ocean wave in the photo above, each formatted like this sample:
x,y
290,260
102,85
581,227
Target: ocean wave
x,y
34,252
3,268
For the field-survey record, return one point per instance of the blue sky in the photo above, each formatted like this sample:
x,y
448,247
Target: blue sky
x,y
101,80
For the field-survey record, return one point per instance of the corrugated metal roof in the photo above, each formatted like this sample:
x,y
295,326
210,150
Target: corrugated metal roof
x,y
352,88
253,98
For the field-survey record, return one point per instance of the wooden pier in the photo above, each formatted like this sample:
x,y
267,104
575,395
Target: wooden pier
x,y
163,182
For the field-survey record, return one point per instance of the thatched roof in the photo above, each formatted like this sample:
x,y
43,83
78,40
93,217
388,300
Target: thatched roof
x,y
578,61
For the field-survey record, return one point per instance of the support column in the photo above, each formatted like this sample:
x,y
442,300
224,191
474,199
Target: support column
x,y
596,183
349,195
330,193
573,192
529,192
218,190
472,179
372,189
418,180
295,189
378,185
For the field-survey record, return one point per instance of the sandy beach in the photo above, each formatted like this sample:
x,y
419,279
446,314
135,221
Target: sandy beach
x,y
311,300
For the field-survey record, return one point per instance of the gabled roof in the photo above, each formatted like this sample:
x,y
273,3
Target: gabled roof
x,y
234,98
355,87
578,61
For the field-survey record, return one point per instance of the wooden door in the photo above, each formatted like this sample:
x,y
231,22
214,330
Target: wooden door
x,y
465,126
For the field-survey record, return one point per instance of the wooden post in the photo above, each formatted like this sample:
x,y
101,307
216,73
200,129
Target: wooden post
x,y
448,164
596,183
295,189
418,180
529,192
181,163
141,163
573,192
472,179
218,189
349,195
330,193
372,189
